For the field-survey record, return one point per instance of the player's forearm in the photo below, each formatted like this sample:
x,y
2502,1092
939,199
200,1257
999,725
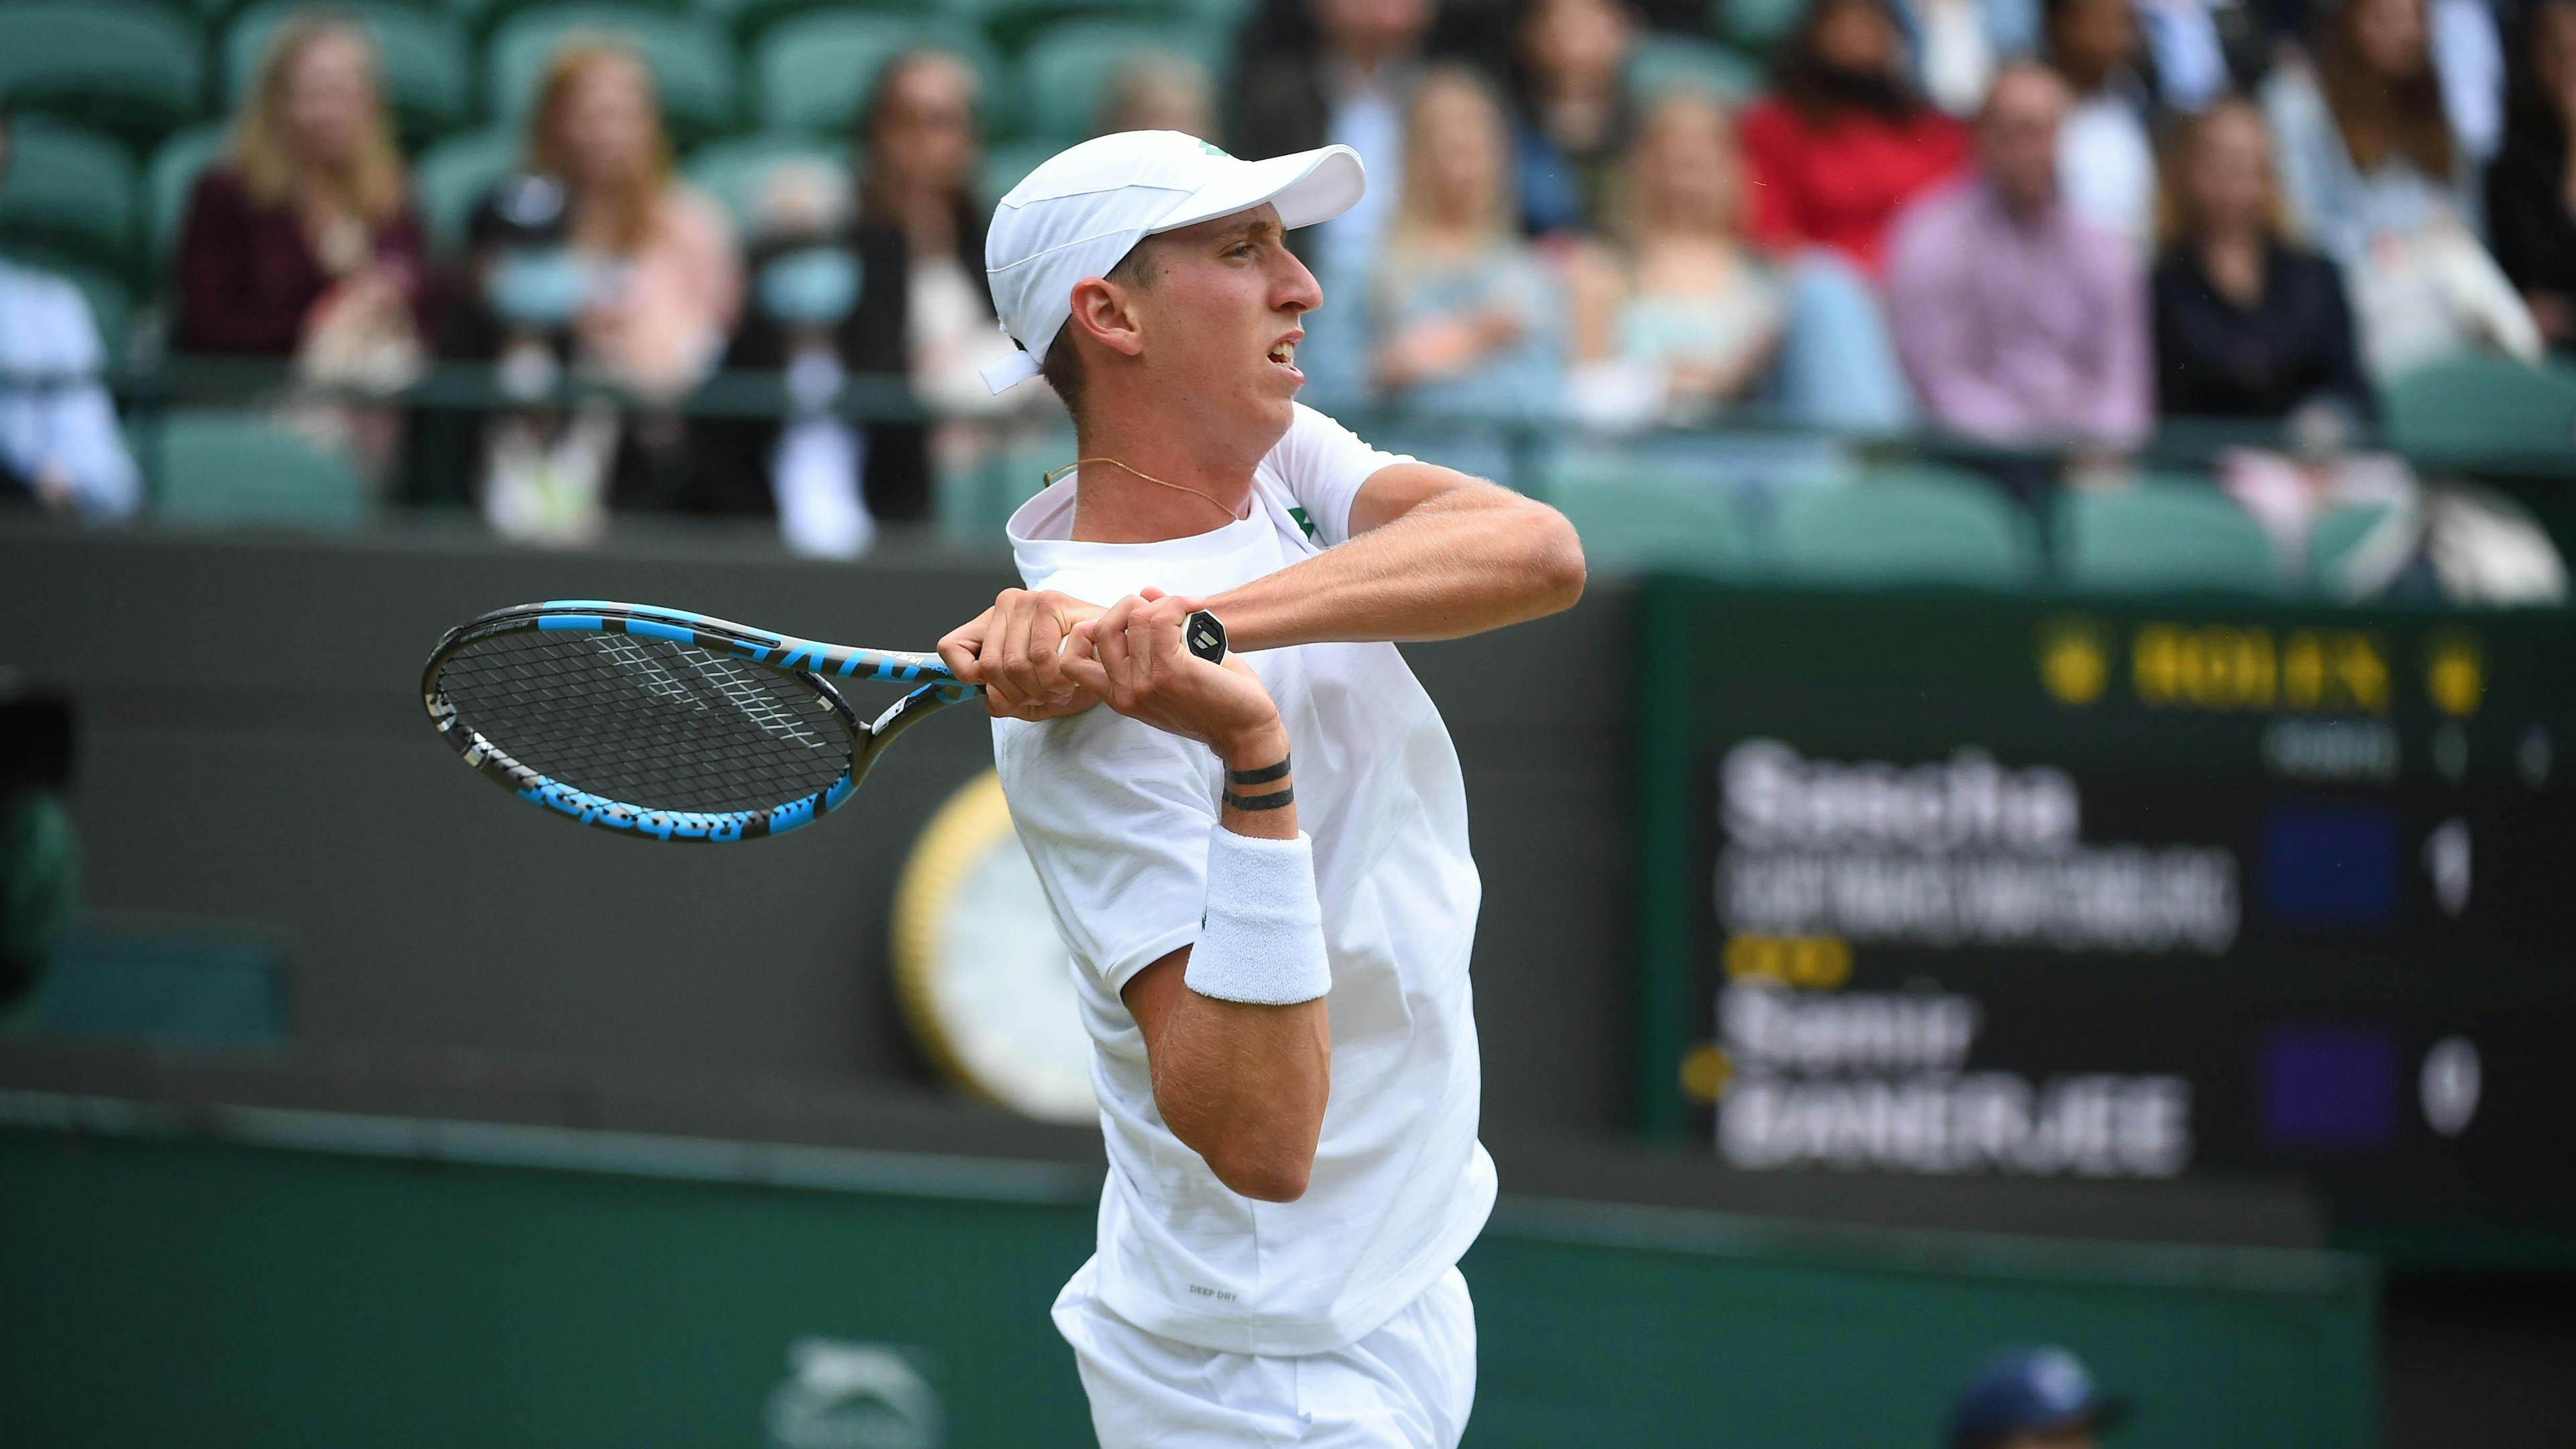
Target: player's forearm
x,y
1244,1087
1460,563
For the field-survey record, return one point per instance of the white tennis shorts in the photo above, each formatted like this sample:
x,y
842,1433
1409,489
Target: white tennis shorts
x,y
1408,1385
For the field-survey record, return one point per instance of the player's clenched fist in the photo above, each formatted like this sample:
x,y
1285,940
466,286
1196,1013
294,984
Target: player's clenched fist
x,y
1133,658
1014,650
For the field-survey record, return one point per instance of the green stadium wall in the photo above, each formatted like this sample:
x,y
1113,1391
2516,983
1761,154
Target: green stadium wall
x,y
278,1280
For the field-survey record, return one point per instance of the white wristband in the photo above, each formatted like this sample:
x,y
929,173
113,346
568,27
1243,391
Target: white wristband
x,y
1262,938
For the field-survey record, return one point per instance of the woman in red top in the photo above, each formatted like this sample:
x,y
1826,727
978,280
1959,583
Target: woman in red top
x,y
1846,143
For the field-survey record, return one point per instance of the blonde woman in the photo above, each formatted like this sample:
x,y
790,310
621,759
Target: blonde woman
x,y
1678,316
305,241
2248,323
1464,319
664,278
631,278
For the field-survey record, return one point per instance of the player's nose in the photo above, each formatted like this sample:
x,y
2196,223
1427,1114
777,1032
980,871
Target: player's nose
x,y
1293,288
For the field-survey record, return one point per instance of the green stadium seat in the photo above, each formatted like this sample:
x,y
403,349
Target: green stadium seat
x,y
167,183
428,79
1669,62
732,171
2482,406
134,70
110,299
812,72
69,190
2163,534
223,468
1636,518
1067,72
1907,526
751,19
1757,26
1015,24
691,56
453,175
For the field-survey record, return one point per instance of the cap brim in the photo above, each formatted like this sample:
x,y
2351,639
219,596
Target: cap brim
x,y
1307,187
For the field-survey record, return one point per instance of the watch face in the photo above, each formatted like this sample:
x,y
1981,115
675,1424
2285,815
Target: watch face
x,y
985,982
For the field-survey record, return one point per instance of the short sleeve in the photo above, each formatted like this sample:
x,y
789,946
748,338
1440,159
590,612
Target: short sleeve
x,y
1323,465
1115,817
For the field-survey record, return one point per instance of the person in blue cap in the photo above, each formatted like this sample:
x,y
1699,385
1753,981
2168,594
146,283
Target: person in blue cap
x,y
2033,1398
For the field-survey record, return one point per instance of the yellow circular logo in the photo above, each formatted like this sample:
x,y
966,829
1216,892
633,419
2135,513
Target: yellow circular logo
x,y
2074,663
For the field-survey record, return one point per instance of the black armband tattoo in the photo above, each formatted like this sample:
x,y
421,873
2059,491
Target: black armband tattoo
x,y
1272,801
1262,776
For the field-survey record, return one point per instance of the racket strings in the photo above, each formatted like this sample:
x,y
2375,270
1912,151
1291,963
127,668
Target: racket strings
x,y
647,722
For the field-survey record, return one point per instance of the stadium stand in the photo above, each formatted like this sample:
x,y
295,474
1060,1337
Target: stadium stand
x,y
812,72
1915,524
691,56
2473,405
133,70
2168,533
429,77
1635,518
224,469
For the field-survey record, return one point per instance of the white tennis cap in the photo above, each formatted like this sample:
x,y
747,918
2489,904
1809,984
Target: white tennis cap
x,y
1079,214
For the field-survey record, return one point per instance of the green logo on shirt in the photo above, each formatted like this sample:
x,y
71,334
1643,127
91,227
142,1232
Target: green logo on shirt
x,y
1303,521
1214,149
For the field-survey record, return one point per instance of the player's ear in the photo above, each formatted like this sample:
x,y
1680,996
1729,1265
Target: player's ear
x,y
1103,311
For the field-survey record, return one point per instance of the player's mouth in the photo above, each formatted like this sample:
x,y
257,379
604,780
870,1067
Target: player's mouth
x,y
1283,353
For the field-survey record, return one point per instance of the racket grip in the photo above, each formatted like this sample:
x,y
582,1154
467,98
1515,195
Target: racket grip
x,y
1204,636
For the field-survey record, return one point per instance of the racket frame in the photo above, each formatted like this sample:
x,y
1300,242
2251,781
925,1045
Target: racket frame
x,y
813,665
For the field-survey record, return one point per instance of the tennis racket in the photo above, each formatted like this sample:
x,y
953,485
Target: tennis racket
x,y
674,726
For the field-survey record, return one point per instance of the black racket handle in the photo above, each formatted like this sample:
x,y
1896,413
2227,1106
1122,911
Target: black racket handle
x,y
1204,636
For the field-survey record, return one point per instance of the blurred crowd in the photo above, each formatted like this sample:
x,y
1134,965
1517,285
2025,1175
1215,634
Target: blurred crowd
x,y
2027,222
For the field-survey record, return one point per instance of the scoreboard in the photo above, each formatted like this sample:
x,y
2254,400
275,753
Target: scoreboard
x,y
1957,884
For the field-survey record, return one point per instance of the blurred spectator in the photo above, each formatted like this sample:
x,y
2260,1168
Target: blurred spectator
x,y
598,260
2106,161
1846,143
898,291
59,446
2186,50
304,240
2365,150
1676,317
665,283
2040,1398
2018,320
2531,189
921,221
1956,45
1463,318
1159,91
2468,59
2371,168
2247,325
1352,87
1576,116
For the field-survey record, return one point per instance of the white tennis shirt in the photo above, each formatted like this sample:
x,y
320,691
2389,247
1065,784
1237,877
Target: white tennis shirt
x,y
1115,816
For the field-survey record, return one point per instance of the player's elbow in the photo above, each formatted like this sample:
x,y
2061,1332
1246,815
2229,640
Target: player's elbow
x,y
1276,1175
1555,553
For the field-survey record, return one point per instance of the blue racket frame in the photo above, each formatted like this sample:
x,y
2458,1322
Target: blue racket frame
x,y
811,664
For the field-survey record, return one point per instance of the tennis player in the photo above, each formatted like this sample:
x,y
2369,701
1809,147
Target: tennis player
x,y
1261,867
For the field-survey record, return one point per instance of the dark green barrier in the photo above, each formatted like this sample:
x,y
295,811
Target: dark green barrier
x,y
289,1280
